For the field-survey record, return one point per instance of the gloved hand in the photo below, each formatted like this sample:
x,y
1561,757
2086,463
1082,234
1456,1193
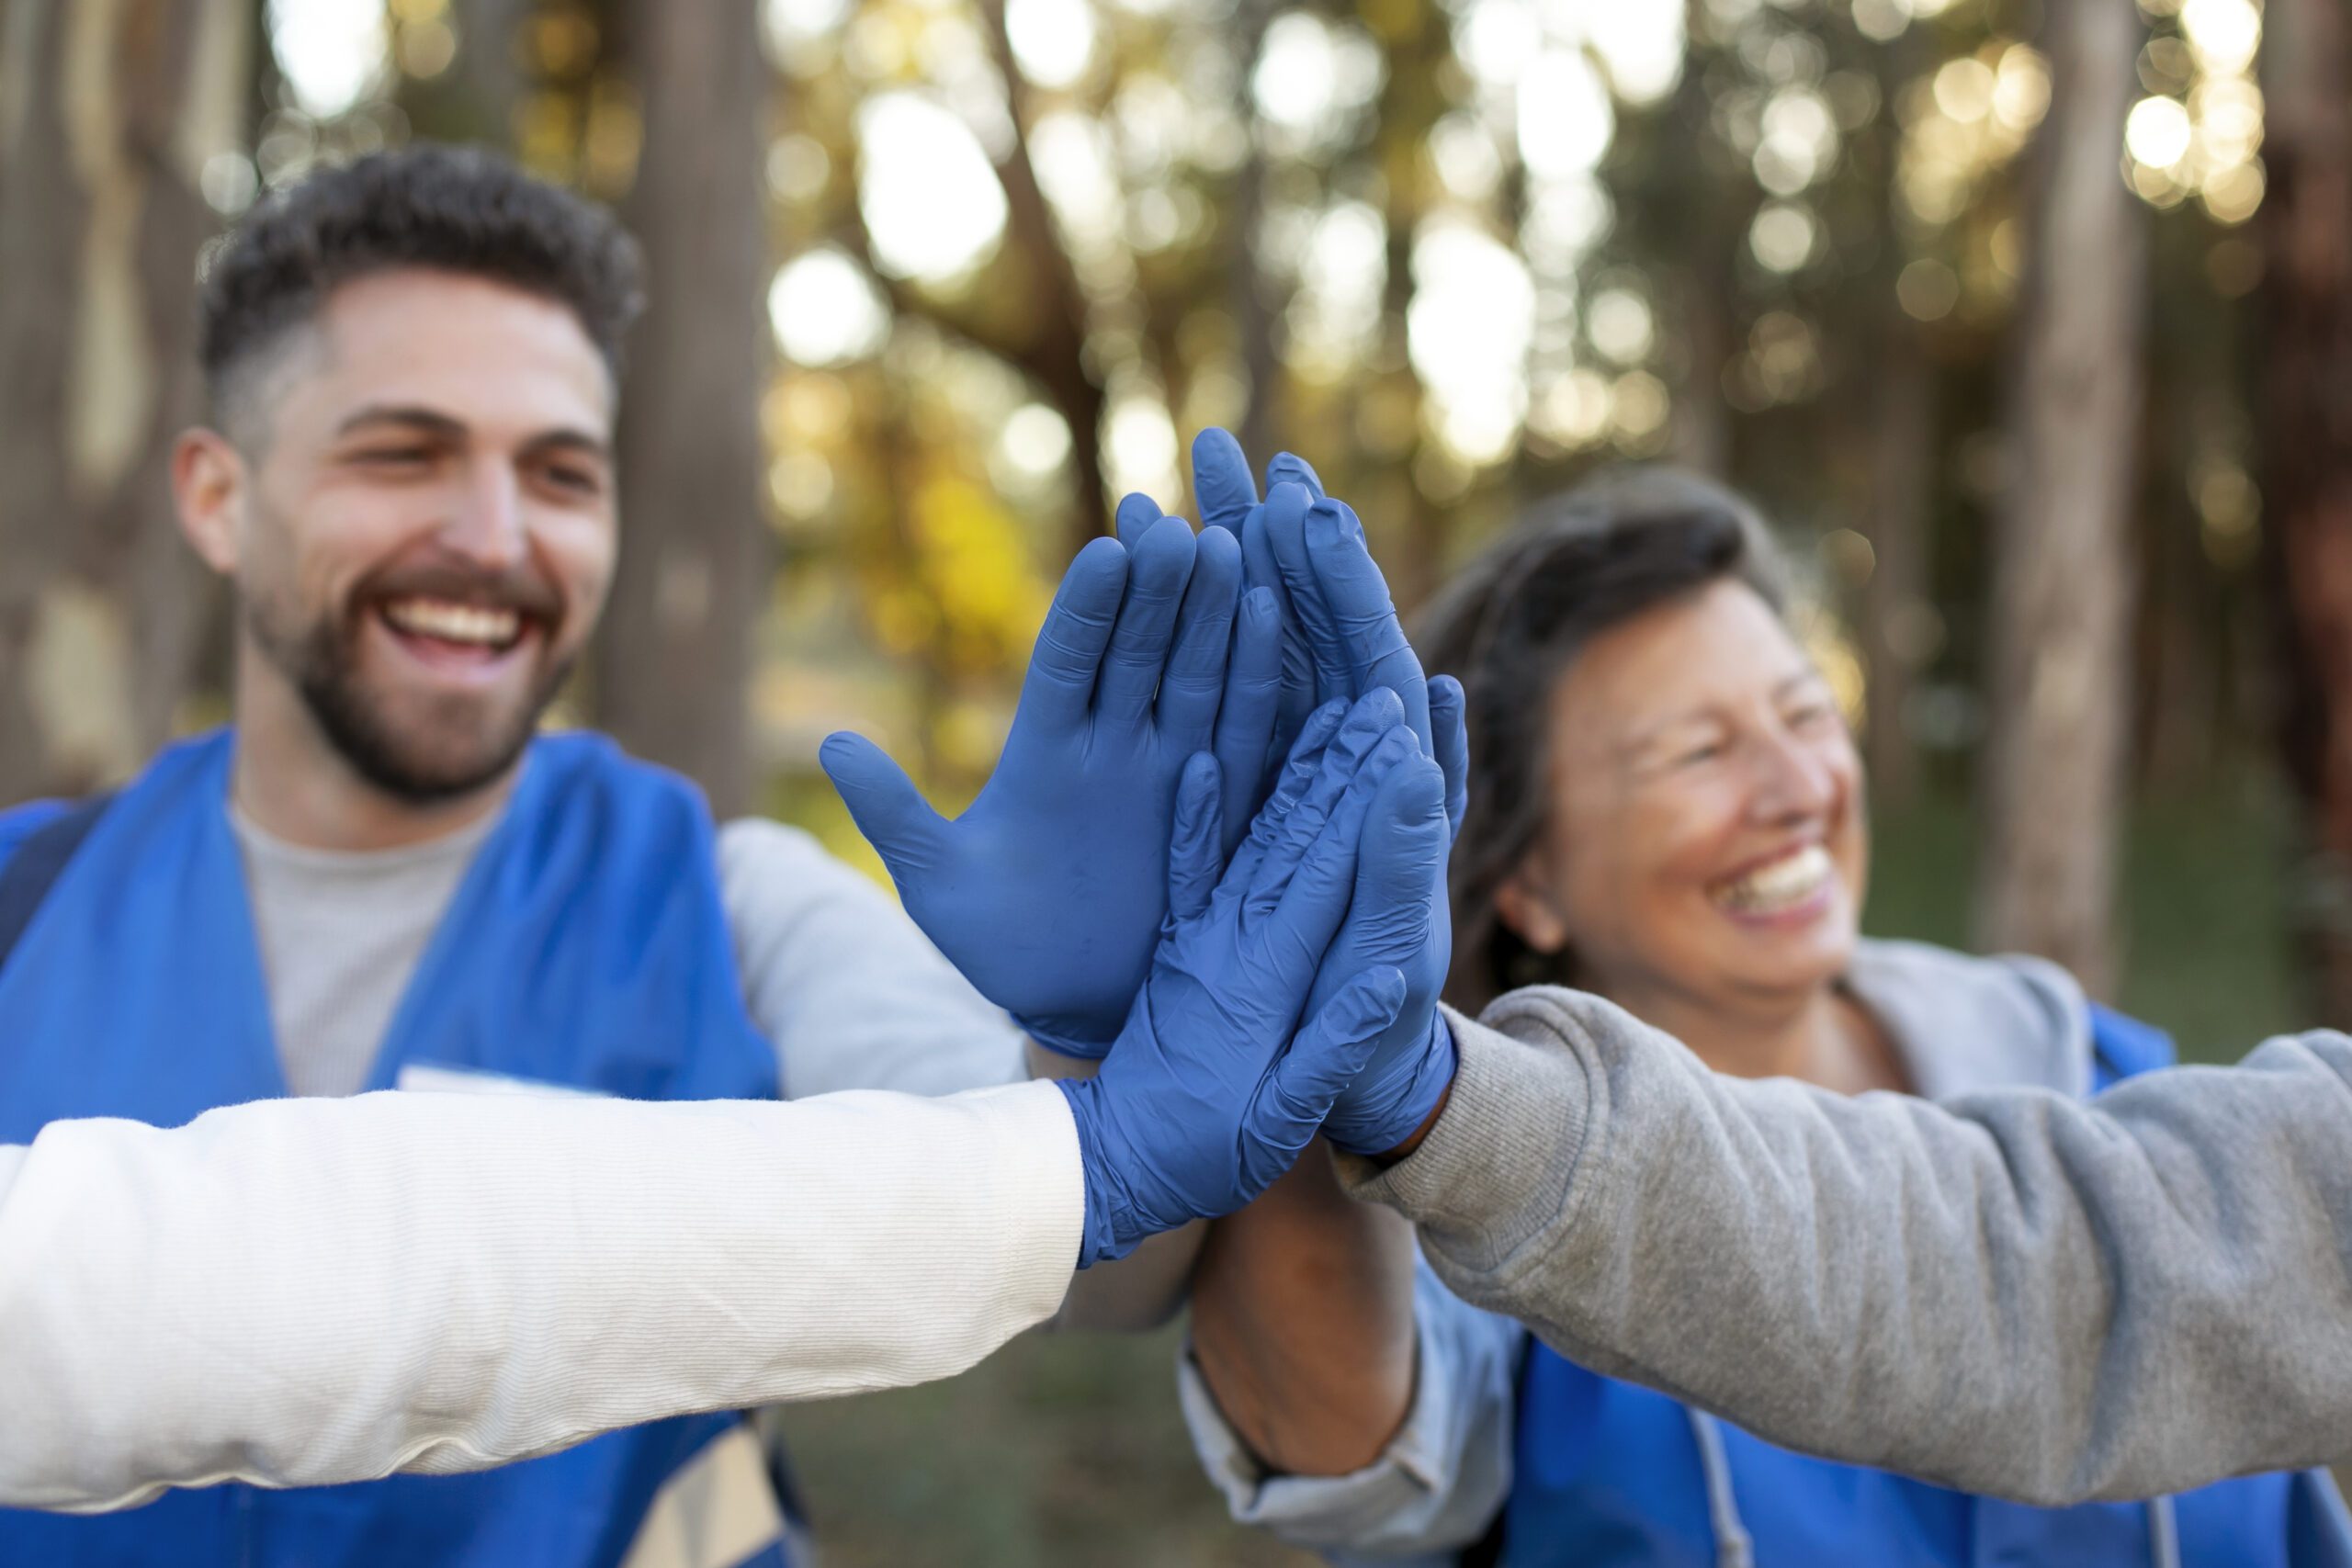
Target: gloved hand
x,y
1213,1089
1404,862
1342,627
1049,892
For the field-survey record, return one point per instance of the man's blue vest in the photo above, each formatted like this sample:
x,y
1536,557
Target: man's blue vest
x,y
586,946
1607,1471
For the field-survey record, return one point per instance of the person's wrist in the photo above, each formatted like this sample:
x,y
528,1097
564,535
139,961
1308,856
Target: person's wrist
x,y
1421,1134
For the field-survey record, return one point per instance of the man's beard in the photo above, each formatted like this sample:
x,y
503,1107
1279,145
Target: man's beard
x,y
444,747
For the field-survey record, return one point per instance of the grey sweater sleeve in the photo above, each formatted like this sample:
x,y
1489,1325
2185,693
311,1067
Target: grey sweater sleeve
x,y
2012,1293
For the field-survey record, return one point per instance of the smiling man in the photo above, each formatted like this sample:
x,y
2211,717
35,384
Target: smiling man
x,y
383,877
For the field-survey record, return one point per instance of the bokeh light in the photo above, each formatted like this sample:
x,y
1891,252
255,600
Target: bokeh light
x,y
331,52
825,310
1470,322
931,203
1052,39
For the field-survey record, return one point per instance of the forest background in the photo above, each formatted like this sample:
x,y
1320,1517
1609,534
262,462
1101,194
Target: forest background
x,y
2028,324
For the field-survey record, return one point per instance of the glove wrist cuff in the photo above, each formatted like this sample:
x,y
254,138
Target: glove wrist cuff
x,y
1372,1129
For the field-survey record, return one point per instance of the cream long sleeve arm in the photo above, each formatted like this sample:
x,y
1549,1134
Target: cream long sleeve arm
x,y
304,1292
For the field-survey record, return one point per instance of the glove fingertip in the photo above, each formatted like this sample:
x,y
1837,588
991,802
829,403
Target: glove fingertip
x,y
1215,443
1287,508
846,755
1196,787
1289,468
1219,549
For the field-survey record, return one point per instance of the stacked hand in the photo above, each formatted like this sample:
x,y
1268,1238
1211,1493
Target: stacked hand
x,y
1213,1089
1058,894
1341,639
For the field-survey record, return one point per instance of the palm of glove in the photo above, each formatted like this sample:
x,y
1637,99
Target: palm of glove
x,y
1049,892
1067,965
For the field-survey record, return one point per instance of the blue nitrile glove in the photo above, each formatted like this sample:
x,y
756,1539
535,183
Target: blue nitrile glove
x,y
1229,500
1344,597
1213,1087
1399,915
1342,638
1049,892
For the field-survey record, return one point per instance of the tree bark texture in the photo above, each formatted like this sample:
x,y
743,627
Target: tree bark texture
x,y
2060,616
674,676
109,110
2306,296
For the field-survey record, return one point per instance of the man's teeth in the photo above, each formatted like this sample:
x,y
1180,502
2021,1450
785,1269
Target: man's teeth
x,y
450,621
1782,885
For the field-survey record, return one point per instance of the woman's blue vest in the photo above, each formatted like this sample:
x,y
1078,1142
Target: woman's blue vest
x,y
586,946
1608,1472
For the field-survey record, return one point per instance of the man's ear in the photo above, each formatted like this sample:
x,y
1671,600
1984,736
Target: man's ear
x,y
1524,903
209,479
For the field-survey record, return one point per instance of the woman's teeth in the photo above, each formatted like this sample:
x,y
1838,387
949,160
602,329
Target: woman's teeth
x,y
1783,885
474,624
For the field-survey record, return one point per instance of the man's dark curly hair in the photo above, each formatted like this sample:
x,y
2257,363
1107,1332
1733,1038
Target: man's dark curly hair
x,y
1598,555
452,209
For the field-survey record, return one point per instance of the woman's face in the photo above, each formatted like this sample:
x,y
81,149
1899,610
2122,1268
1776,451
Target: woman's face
x,y
1706,842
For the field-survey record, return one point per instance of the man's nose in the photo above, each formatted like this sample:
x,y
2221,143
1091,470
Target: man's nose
x,y
486,525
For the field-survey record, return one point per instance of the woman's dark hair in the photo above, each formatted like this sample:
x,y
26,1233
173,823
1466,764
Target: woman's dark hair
x,y
1594,557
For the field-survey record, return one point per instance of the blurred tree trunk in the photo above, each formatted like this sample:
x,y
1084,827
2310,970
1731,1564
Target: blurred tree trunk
x,y
2062,562
107,113
1898,626
489,65
674,676
1417,44
1057,355
1042,331
1900,517
1254,306
477,97
2307,428
1706,210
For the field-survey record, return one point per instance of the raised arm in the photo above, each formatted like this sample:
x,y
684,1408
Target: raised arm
x,y
2012,1293
302,1291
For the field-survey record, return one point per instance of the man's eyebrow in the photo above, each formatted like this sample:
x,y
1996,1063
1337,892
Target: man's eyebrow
x,y
425,420
566,439
432,422
1804,677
